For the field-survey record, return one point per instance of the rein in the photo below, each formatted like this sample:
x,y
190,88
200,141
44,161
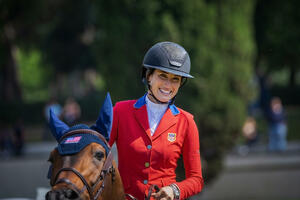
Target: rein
x,y
151,188
150,191
106,169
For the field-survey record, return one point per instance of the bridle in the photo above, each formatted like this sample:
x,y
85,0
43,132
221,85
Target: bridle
x,y
106,169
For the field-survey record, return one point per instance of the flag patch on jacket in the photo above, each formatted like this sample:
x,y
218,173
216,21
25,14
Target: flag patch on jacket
x,y
172,137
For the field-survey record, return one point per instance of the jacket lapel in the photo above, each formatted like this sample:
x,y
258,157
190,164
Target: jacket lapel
x,y
167,121
141,116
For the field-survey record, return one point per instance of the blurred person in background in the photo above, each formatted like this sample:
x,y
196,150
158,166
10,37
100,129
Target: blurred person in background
x,y
250,131
151,133
6,143
18,137
71,111
277,126
250,135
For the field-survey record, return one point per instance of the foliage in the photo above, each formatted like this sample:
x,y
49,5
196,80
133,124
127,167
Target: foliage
x,y
219,38
33,76
277,36
125,30
293,116
19,26
66,42
222,55
113,36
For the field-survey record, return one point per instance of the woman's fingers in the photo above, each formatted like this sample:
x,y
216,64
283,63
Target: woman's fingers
x,y
165,193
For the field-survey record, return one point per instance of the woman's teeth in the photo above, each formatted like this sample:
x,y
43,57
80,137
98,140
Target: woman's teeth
x,y
165,91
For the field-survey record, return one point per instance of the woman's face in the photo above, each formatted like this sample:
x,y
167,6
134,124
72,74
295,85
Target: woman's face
x,y
164,85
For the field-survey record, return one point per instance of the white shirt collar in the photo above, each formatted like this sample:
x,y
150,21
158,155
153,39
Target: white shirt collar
x,y
155,113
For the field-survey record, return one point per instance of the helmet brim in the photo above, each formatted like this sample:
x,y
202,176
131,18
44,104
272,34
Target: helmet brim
x,y
172,71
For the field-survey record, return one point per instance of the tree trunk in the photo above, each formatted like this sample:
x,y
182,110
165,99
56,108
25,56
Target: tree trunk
x,y
10,79
292,79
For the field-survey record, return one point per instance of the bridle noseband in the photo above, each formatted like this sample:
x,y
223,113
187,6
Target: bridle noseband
x,y
106,169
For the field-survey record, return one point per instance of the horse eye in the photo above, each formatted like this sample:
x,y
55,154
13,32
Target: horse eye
x,y
99,155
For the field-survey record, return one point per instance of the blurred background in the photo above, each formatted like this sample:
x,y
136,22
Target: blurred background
x,y
245,97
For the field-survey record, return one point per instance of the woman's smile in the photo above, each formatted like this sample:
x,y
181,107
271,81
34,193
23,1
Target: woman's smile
x,y
165,92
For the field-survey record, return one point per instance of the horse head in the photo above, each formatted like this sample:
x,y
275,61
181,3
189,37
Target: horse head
x,y
82,166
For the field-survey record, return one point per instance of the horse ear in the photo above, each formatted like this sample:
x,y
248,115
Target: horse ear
x,y
105,118
58,128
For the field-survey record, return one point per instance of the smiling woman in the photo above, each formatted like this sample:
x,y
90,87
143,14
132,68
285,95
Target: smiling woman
x,y
163,85
154,132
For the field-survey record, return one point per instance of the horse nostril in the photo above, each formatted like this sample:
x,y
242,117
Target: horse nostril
x,y
61,195
50,195
47,196
71,194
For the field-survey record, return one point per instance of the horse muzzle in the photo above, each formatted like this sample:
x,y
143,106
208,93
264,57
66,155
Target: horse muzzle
x,y
64,193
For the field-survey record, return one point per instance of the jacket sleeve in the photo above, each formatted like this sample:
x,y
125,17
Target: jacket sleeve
x,y
114,130
193,183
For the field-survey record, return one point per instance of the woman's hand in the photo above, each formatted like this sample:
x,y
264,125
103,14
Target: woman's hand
x,y
165,193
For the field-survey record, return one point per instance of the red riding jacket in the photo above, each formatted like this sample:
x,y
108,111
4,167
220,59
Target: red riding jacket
x,y
145,160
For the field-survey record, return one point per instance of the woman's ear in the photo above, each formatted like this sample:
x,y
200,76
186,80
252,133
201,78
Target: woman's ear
x,y
149,76
149,79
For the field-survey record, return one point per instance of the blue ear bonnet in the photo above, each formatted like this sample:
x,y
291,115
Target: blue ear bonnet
x,y
75,143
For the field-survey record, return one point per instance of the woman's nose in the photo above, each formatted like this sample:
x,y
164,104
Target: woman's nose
x,y
167,83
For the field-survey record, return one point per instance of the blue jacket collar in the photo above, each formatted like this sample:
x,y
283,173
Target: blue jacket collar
x,y
142,101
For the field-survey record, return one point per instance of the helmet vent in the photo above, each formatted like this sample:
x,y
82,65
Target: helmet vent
x,y
175,53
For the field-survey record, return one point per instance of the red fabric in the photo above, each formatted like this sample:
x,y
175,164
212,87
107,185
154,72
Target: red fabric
x,y
131,133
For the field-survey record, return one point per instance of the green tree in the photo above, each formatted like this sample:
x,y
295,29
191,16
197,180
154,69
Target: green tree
x,y
17,26
59,31
218,36
115,35
66,45
69,34
277,26
125,30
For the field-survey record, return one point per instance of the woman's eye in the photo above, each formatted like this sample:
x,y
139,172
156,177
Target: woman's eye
x,y
163,76
99,155
175,80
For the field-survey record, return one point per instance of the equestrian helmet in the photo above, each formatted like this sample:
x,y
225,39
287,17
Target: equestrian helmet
x,y
169,57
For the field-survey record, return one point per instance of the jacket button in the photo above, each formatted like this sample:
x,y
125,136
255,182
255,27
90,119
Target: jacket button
x,y
149,146
147,164
145,182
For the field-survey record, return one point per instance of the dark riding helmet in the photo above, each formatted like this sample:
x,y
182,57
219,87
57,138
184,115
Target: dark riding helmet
x,y
169,57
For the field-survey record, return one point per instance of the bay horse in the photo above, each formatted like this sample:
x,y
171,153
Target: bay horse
x,y
82,165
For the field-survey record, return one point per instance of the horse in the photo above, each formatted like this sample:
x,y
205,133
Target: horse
x,y
82,165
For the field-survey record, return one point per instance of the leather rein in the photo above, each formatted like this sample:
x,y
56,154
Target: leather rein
x,y
106,169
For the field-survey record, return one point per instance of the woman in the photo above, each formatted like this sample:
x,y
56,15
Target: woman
x,y
151,133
